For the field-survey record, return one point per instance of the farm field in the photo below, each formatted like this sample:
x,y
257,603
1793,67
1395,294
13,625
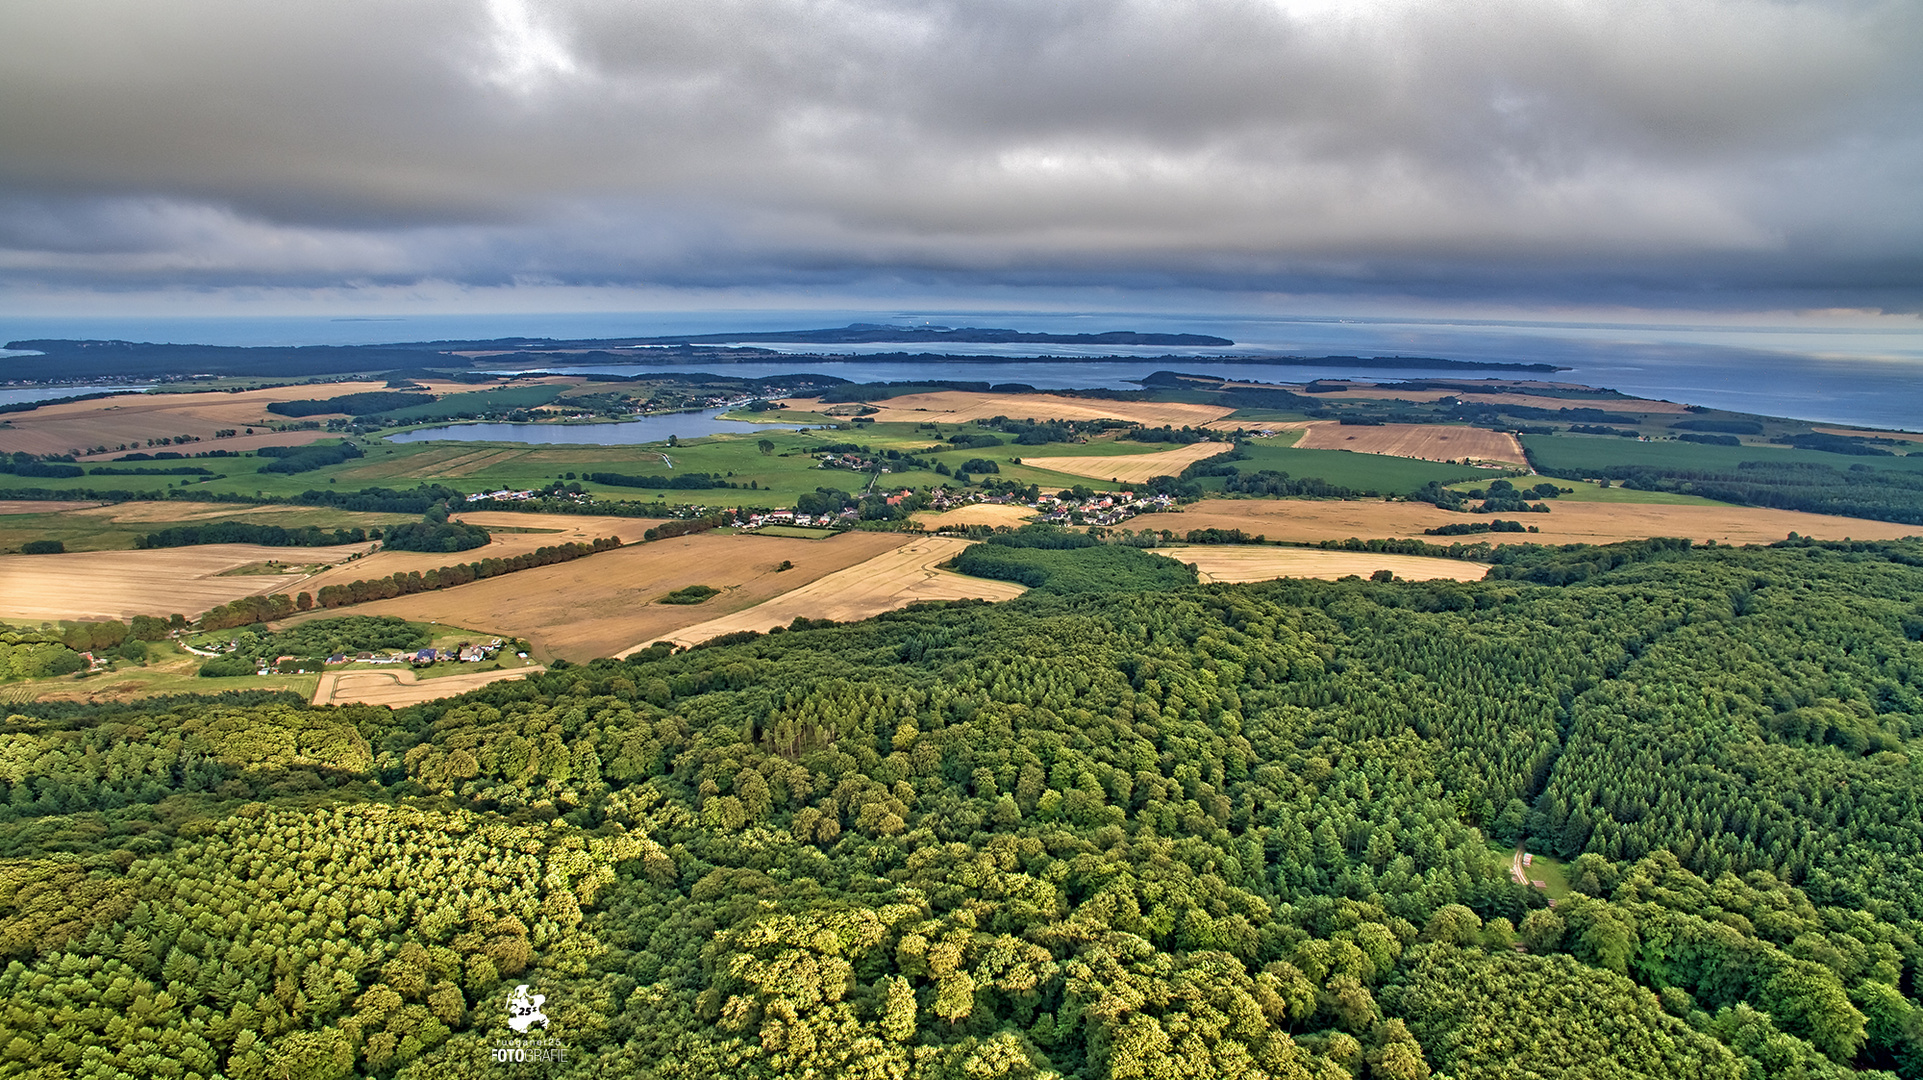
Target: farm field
x,y
116,527
1568,522
957,406
1363,472
1581,453
1238,563
400,687
1130,468
556,529
886,582
979,514
131,418
1428,442
604,603
119,584
168,670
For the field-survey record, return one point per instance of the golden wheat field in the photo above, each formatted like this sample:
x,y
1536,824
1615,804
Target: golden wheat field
x,y
886,582
604,603
1429,442
555,529
979,514
1238,563
399,687
1130,468
959,406
1314,520
131,418
119,584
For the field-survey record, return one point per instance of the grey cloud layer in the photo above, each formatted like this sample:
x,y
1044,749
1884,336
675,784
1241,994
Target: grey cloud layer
x,y
1495,145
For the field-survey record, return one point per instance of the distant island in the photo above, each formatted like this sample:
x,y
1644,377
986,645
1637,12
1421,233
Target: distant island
x,y
66,360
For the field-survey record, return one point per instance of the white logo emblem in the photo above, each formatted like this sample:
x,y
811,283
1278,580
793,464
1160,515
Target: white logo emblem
x,y
524,1011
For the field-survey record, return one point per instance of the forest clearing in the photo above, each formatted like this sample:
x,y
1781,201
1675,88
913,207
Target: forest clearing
x,y
1237,563
886,582
1428,442
957,406
1568,522
136,417
603,603
121,584
1131,468
399,687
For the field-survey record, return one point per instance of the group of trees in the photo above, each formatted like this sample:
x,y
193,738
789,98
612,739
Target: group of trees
x,y
407,583
436,533
246,532
300,459
367,403
1198,831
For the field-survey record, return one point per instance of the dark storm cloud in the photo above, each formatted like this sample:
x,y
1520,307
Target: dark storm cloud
x,y
1499,147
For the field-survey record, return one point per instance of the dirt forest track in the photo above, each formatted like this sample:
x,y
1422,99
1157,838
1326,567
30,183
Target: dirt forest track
x,y
399,687
601,604
1428,442
137,417
1568,522
1131,468
1236,563
883,583
960,406
120,584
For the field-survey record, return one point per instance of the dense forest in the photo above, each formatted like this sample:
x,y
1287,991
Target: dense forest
x,y
1187,832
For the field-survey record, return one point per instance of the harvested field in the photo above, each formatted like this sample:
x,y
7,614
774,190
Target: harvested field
x,y
1131,468
145,512
1311,521
883,583
35,506
980,514
1427,442
132,418
567,529
604,603
118,584
957,406
399,688
1870,433
1237,563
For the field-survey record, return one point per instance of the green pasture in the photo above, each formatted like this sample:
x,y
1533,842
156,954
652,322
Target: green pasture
x,y
1363,472
95,532
1583,453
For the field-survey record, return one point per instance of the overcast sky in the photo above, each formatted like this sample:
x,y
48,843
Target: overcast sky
x,y
1702,154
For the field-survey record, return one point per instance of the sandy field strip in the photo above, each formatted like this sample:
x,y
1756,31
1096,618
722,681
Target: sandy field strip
x,y
128,418
1314,520
1869,433
118,584
1237,563
176,510
1428,442
979,514
883,583
36,506
569,529
1131,468
957,406
604,603
398,687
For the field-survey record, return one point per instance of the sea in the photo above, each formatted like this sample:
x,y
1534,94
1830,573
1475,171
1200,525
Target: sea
x,y
1870,377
